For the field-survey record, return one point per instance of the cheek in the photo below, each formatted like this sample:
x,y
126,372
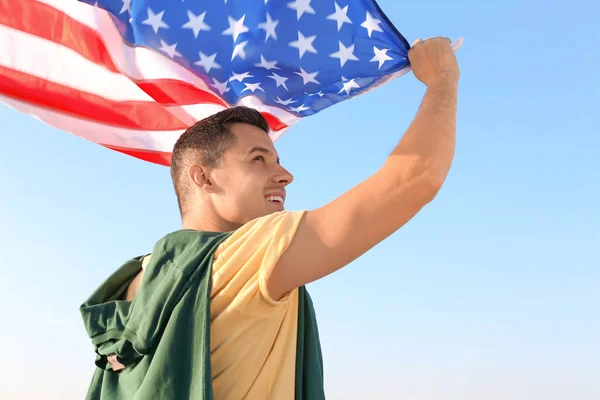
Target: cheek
x,y
230,180
249,190
238,191
251,195
243,187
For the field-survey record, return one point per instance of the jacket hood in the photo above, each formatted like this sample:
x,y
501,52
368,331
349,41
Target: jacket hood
x,y
124,331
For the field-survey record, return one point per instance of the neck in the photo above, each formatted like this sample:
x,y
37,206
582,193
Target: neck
x,y
207,223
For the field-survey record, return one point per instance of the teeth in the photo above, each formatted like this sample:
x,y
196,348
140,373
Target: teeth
x,y
275,198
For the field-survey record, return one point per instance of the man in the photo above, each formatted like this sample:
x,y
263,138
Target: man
x,y
219,308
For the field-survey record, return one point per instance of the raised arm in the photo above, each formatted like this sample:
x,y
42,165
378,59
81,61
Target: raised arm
x,y
330,237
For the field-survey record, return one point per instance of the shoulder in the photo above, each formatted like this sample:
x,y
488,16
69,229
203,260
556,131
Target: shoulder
x,y
279,227
251,252
184,249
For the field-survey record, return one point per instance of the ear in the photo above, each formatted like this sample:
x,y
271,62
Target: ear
x,y
200,177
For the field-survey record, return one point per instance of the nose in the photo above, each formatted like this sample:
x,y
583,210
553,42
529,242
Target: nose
x,y
283,176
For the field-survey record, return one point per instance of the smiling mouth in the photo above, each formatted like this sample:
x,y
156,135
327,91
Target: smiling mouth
x,y
275,199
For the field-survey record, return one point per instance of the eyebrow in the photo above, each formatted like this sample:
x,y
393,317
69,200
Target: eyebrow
x,y
261,150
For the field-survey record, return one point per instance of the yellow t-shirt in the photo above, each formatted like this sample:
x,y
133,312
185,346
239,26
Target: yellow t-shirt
x,y
253,337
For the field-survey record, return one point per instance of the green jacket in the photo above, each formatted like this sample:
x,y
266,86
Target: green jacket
x,y
162,338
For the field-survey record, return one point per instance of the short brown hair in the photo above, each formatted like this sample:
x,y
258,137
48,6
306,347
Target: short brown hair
x,y
205,142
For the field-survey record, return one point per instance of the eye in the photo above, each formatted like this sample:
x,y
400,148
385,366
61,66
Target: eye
x,y
259,158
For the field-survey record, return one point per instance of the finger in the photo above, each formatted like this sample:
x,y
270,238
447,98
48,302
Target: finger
x,y
438,38
416,42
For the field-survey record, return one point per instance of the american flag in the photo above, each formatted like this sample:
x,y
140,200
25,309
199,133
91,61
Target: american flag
x,y
132,75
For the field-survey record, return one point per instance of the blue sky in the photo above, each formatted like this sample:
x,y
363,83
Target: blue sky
x,y
490,293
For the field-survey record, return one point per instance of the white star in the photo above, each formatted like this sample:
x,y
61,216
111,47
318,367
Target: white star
x,y
319,93
268,65
371,24
380,56
253,87
207,62
196,23
301,7
304,44
155,20
285,102
220,86
126,6
279,80
240,77
348,86
340,15
170,50
269,27
239,50
307,77
298,109
345,54
236,28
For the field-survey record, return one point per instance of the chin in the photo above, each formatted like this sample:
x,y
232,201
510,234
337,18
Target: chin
x,y
271,210
276,207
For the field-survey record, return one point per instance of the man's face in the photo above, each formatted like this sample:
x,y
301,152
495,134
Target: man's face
x,y
249,183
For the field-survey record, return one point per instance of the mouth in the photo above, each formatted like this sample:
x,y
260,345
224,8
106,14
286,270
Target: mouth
x,y
275,199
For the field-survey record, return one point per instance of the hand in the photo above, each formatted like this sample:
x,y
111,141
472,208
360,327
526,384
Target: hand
x,y
434,62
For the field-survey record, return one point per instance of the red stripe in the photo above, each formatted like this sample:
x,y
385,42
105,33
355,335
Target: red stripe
x,y
156,157
127,114
174,92
274,122
49,23
41,20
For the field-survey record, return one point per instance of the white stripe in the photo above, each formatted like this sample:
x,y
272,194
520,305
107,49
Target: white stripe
x,y
190,114
75,71
276,135
141,63
100,133
58,64
254,102
138,63
196,112
104,134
